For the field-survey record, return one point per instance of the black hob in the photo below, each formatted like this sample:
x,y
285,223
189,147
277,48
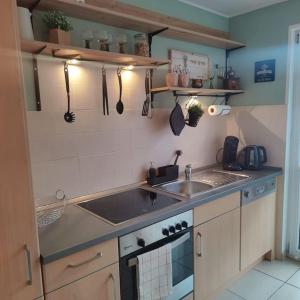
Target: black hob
x,y
127,205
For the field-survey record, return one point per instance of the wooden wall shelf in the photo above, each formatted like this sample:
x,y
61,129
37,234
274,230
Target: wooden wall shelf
x,y
137,19
70,52
196,92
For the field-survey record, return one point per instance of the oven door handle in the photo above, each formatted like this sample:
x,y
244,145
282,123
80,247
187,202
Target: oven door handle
x,y
199,244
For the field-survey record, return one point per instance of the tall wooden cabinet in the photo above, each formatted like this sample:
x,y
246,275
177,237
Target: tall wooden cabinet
x,y
19,260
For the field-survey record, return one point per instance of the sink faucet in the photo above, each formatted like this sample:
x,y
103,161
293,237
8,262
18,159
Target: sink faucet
x,y
188,172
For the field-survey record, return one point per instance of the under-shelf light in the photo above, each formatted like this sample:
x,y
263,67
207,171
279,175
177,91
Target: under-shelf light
x,y
73,61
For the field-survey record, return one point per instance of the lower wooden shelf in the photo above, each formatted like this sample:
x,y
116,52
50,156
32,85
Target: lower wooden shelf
x,y
70,52
196,92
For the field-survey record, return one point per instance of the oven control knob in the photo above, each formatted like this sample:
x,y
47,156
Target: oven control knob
x,y
172,229
165,232
141,243
184,224
178,227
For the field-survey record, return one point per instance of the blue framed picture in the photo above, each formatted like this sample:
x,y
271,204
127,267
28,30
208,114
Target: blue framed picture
x,y
265,70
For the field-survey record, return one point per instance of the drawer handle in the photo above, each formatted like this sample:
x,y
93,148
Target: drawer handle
x,y
200,252
98,255
112,277
29,267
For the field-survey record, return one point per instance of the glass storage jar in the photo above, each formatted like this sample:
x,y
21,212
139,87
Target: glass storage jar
x,y
141,45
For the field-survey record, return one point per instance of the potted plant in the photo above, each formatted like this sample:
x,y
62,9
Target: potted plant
x,y
195,112
59,27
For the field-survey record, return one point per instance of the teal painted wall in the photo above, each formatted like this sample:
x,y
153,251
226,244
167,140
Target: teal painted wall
x,y
186,12
265,32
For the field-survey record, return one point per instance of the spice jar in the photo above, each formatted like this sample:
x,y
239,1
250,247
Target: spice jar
x,y
103,39
141,45
122,43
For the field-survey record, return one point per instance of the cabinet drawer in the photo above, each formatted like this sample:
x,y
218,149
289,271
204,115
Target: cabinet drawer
x,y
75,266
101,285
216,208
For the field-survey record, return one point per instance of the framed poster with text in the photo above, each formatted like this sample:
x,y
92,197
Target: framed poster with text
x,y
265,71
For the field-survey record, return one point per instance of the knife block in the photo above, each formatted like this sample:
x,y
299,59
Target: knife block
x,y
164,174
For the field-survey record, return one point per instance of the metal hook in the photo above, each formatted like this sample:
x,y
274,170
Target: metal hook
x,y
119,70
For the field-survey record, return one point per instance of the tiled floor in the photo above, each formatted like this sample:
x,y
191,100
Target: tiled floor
x,y
277,280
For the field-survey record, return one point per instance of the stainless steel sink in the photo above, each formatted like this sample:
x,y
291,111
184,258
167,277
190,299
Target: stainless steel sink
x,y
218,178
186,188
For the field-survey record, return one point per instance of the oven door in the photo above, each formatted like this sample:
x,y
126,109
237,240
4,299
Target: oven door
x,y
182,266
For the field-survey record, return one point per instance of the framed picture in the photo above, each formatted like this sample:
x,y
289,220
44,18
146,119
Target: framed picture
x,y
196,64
265,70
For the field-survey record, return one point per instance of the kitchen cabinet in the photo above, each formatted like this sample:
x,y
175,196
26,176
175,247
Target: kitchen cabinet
x,y
103,284
216,244
257,229
216,253
20,275
78,265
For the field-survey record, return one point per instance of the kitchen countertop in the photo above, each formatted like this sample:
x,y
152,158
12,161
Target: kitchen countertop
x,y
78,229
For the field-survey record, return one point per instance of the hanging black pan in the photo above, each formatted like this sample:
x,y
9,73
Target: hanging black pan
x,y
176,120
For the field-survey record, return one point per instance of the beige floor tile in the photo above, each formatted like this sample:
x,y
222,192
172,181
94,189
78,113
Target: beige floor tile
x,y
287,292
280,269
255,285
295,280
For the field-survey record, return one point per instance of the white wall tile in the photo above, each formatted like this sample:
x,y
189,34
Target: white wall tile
x,y
50,176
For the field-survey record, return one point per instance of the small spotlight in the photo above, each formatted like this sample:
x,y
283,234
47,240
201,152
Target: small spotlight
x,y
129,68
73,61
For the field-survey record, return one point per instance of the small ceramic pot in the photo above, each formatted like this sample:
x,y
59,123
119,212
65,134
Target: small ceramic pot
x,y
172,79
197,83
59,36
183,80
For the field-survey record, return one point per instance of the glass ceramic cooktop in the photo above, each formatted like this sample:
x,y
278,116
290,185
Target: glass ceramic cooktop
x,y
127,205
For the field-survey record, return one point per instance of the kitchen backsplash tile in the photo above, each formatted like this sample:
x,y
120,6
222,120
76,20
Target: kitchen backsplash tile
x,y
99,152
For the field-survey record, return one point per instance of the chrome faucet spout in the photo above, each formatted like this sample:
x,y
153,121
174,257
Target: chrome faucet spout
x,y
188,172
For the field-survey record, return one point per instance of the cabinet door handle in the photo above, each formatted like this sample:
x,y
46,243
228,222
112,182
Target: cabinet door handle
x,y
112,277
98,255
28,265
200,245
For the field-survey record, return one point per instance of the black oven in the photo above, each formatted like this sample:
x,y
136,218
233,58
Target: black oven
x,y
180,235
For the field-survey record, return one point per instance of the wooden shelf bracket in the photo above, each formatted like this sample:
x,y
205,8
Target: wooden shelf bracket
x,y
151,35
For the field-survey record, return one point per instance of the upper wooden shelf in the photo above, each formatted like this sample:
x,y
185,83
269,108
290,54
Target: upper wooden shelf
x,y
137,19
196,92
69,52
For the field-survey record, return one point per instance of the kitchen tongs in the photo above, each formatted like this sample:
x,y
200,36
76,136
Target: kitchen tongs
x,y
104,93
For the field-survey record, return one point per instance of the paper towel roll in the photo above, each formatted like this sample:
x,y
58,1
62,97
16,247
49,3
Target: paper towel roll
x,y
25,23
219,110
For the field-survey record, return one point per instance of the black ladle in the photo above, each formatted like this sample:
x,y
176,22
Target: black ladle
x,y
68,116
120,105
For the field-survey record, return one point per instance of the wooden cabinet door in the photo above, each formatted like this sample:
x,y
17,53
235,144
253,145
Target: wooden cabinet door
x,y
257,229
19,259
216,253
101,285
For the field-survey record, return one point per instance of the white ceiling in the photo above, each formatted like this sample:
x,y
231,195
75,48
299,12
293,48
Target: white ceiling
x,y
231,8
